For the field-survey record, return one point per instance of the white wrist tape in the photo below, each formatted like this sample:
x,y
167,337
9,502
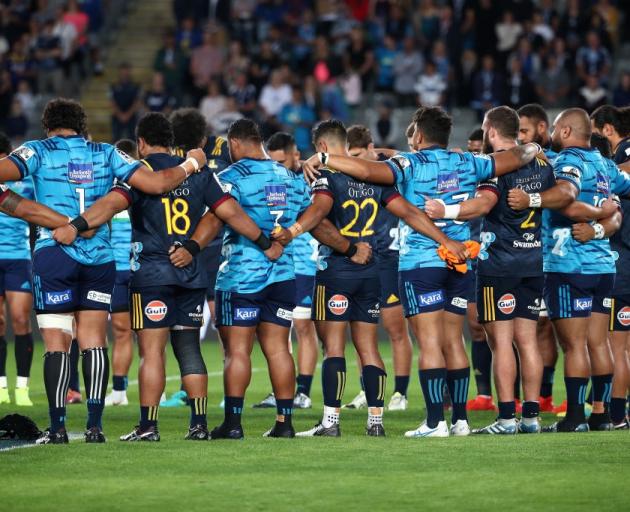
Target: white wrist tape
x,y
600,232
194,163
451,211
535,201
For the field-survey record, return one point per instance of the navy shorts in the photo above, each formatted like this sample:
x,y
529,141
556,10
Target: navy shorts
x,y
212,259
433,289
472,289
63,285
15,276
506,298
346,300
602,300
388,276
154,307
620,313
573,295
120,297
273,304
304,286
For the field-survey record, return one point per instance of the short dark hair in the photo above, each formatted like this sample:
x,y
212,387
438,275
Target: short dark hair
x,y
189,128
155,129
609,114
504,120
434,124
246,130
476,134
331,128
63,113
128,146
280,141
359,136
534,111
602,144
5,144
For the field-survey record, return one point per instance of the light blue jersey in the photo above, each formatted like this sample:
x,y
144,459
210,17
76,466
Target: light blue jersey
x,y
272,196
69,174
305,249
121,240
596,179
440,174
14,232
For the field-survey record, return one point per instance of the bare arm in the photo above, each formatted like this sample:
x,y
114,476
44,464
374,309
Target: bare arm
x,y
9,171
207,229
105,208
584,232
478,206
326,233
557,197
232,214
310,218
17,206
359,168
584,212
514,158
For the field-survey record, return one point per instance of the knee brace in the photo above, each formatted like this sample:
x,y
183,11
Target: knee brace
x,y
187,350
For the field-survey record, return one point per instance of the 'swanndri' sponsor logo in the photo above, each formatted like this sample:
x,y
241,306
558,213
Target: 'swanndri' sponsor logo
x,y
56,298
507,303
584,304
80,173
338,304
447,182
276,195
104,298
624,316
529,242
431,298
246,313
156,310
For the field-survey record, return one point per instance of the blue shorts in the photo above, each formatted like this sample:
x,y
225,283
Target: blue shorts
x,y
433,289
388,276
15,276
507,298
620,313
577,295
346,300
120,297
154,307
273,304
304,286
63,285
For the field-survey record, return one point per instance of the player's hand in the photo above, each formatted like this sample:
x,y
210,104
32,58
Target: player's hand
x,y
363,254
88,234
275,251
582,232
281,235
457,249
609,207
179,256
434,209
199,155
310,168
65,235
518,199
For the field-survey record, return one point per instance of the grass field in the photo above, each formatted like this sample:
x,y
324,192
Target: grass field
x,y
548,472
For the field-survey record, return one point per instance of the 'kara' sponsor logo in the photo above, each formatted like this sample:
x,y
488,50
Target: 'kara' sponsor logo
x,y
156,310
338,304
103,298
585,304
431,298
459,302
56,298
624,316
507,303
246,313
285,314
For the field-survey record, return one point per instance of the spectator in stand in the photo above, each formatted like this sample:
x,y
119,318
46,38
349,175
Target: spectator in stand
x,y
188,36
171,62
385,129
6,96
397,24
572,24
333,104
303,43
385,55
237,62
553,84
214,102
487,87
541,28
244,95
222,121
408,64
439,56
508,33
27,99
592,94
80,21
350,83
125,103
16,125
21,62
157,98
275,95
530,61
67,34
298,118
263,65
361,57
324,66
593,59
48,58
429,20
621,95
431,87
520,90
206,61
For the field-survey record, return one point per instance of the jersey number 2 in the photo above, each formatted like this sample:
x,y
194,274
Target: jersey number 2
x,y
367,229
176,212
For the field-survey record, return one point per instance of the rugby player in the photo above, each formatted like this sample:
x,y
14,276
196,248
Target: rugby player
x,y
76,282
430,287
122,350
578,274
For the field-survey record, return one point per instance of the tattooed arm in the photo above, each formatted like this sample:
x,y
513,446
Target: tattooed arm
x,y
17,206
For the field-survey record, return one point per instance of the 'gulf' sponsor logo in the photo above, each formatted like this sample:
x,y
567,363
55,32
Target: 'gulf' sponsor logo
x,y
507,303
338,304
624,316
155,310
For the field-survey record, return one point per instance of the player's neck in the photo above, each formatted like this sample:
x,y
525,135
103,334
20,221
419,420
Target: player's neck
x,y
61,132
615,140
503,145
153,150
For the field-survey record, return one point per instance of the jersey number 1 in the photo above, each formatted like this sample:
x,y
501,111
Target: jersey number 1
x,y
176,212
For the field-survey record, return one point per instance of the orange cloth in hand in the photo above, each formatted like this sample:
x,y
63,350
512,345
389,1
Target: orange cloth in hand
x,y
452,262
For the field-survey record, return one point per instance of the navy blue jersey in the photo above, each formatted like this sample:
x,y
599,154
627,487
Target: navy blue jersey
x,y
511,242
386,228
158,221
355,213
620,241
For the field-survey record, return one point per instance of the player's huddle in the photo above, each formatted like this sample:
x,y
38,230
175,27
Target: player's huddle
x,y
393,230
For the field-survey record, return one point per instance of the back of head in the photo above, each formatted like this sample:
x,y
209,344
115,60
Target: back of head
x,y
359,136
128,146
476,135
5,145
245,130
189,128
434,124
155,129
535,112
504,120
64,114
332,131
608,114
281,141
577,119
